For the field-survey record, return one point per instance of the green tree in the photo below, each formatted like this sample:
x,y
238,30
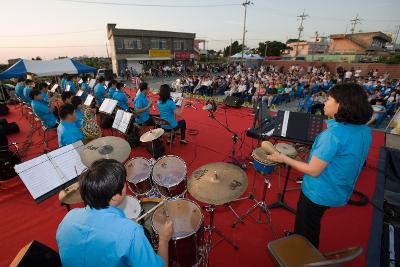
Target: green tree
x,y
293,40
274,48
236,48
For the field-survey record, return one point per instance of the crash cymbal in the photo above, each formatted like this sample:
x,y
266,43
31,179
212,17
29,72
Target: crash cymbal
x,y
109,147
286,149
70,195
151,135
261,155
217,183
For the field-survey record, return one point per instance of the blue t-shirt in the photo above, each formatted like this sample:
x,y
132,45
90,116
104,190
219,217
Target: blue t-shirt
x,y
27,98
141,101
63,84
79,118
19,90
167,113
68,133
103,237
345,148
111,92
99,93
122,100
86,90
45,98
72,87
43,111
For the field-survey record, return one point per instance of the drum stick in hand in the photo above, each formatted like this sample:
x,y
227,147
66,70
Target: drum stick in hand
x,y
150,211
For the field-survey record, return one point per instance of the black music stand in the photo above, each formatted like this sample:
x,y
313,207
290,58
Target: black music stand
x,y
280,203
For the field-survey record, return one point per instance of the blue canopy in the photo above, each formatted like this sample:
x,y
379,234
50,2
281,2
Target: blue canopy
x,y
46,68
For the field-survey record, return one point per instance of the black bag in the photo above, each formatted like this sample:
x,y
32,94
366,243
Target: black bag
x,y
106,121
133,137
8,160
233,101
4,110
158,148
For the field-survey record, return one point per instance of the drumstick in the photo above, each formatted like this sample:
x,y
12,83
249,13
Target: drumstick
x,y
166,210
150,210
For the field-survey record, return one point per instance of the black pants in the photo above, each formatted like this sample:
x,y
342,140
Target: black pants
x,y
181,125
308,219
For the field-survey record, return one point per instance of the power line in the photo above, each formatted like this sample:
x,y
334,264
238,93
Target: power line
x,y
49,34
39,47
301,28
245,4
354,23
146,5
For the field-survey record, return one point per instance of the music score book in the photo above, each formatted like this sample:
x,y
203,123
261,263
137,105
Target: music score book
x,y
79,93
108,106
177,98
89,100
92,82
68,88
122,121
54,88
50,173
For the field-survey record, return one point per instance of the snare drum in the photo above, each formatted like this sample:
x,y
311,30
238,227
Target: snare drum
x,y
286,149
260,161
169,176
138,175
131,207
186,245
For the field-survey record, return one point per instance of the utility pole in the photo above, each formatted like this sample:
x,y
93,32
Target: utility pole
x,y
301,28
354,23
265,51
396,35
245,4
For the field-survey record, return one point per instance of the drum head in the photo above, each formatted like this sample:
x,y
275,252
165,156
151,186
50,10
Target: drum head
x,y
131,207
260,155
286,149
137,170
169,171
185,215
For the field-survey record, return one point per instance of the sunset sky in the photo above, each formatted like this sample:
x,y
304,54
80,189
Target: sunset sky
x,y
52,28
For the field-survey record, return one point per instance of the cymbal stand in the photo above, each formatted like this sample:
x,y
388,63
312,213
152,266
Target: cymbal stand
x,y
210,229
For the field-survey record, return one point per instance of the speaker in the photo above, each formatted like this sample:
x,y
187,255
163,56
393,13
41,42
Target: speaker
x,y
233,101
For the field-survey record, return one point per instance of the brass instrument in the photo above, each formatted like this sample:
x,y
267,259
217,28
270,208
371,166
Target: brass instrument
x,y
91,130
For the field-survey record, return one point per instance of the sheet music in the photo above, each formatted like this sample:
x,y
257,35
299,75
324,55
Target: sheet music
x,y
122,120
285,123
68,161
118,118
47,172
177,98
54,88
38,175
108,106
89,100
68,88
79,93
80,81
92,82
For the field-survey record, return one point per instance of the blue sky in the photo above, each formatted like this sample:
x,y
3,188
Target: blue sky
x,y
64,28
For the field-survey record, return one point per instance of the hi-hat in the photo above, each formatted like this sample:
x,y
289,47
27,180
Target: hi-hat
x,y
151,135
217,183
109,147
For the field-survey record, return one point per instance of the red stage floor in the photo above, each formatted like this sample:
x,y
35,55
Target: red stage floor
x,y
23,220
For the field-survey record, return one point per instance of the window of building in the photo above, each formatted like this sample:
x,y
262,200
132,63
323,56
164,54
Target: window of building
x,y
179,45
132,43
158,44
119,44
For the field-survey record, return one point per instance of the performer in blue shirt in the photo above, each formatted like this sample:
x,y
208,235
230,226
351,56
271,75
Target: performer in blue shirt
x,y
66,97
336,158
142,106
100,234
168,110
111,88
29,84
68,131
63,82
76,101
70,83
121,97
85,88
100,91
19,88
42,109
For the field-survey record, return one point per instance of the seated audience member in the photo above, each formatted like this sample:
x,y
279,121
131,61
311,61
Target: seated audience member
x,y
19,88
66,97
121,97
42,110
379,111
100,234
319,102
76,101
142,106
100,91
68,131
168,110
29,85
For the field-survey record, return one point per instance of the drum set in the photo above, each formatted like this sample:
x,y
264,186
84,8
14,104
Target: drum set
x,y
159,190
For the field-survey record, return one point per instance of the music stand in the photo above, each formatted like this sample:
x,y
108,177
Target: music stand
x,y
280,203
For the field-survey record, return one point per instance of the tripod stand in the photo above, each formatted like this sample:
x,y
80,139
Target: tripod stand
x,y
280,203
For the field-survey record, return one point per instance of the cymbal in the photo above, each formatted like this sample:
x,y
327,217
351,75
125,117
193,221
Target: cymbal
x,y
261,155
151,135
70,195
217,183
109,147
286,149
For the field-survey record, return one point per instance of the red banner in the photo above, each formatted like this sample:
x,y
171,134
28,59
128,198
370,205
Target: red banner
x,y
182,55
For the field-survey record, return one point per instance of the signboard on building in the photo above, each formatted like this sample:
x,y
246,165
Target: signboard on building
x,y
182,55
159,53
